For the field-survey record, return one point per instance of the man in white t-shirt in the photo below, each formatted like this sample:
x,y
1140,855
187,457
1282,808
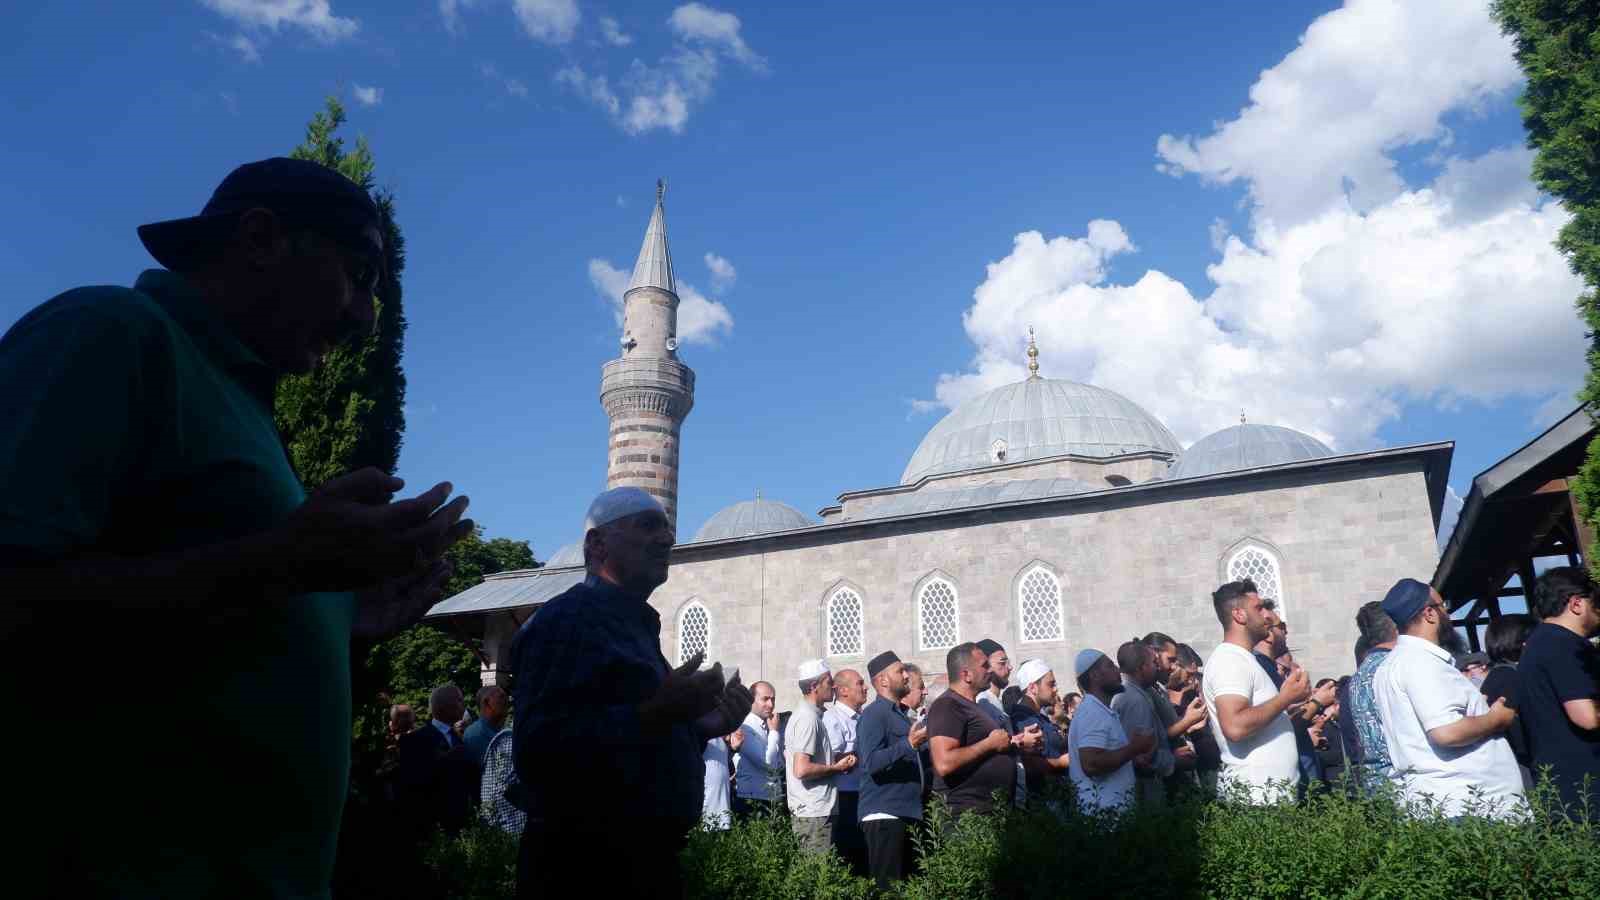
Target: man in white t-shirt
x,y
1100,754
810,776
1259,759
1447,744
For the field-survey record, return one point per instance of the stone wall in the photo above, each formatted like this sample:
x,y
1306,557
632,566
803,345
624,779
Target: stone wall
x,y
1129,563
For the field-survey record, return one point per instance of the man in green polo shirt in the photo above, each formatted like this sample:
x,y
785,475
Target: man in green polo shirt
x,y
161,567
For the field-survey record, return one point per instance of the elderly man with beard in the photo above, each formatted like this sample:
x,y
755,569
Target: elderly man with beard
x,y
1101,752
891,770
1247,708
1447,743
608,736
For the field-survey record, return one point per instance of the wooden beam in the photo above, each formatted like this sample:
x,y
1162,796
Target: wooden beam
x,y
1581,528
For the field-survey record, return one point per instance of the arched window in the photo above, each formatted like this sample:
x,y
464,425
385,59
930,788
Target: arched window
x,y
694,631
1259,565
844,623
1039,605
938,616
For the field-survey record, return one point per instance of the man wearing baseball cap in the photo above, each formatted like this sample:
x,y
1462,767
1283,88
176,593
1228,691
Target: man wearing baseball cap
x,y
152,524
1446,741
608,737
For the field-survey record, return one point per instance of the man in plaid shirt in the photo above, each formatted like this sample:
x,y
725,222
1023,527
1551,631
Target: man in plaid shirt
x,y
499,771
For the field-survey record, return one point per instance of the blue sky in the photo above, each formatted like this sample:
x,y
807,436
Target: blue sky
x,y
1318,214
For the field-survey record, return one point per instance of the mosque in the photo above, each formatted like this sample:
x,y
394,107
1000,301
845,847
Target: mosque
x,y
1046,514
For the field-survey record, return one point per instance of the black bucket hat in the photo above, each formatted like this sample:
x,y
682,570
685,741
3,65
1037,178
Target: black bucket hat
x,y
307,194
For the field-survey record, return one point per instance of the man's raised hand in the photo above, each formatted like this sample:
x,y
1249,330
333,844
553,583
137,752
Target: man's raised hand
x,y
349,533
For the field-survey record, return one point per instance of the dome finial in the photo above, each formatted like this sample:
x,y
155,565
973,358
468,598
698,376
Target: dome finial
x,y
1241,417
1033,355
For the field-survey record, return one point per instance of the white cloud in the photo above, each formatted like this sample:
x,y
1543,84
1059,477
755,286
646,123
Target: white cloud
x,y
611,30
723,274
367,96
663,95
313,16
511,86
549,21
1330,312
1367,79
595,89
700,319
247,49
698,22
450,11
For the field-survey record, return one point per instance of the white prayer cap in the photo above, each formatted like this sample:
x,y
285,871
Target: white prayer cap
x,y
616,503
1086,660
1031,671
813,668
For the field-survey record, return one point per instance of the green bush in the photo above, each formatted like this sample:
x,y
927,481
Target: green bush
x,y
480,863
1330,846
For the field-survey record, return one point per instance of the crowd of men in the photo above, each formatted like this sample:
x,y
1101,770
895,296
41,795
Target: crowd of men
x,y
854,765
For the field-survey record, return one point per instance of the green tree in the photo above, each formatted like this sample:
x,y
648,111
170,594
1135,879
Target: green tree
x,y
1558,48
349,413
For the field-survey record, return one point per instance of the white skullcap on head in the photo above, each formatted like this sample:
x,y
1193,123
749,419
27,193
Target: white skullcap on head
x,y
617,503
1031,671
813,668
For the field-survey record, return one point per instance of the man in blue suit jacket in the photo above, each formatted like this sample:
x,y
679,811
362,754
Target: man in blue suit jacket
x,y
891,771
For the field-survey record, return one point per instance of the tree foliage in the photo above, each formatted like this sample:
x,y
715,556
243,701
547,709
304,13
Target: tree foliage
x,y
349,412
1558,48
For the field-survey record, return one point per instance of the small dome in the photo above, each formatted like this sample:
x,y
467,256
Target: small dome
x,y
752,517
569,555
1246,446
1034,419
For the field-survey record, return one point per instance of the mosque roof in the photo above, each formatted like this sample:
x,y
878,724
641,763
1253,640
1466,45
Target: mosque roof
x,y
934,500
569,555
752,517
1246,446
1035,419
654,266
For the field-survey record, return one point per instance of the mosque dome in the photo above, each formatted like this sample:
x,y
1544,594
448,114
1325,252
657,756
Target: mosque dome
x,y
1034,419
752,517
569,555
1246,446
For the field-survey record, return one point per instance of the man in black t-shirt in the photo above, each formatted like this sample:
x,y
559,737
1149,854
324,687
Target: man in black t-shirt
x,y
972,754
1558,680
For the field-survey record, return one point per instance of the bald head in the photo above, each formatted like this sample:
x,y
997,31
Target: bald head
x,y
849,688
762,699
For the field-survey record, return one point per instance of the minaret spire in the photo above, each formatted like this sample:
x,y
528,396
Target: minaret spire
x,y
647,392
654,266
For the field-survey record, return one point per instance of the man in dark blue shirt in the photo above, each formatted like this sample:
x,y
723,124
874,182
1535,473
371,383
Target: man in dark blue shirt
x,y
608,737
891,770
1557,678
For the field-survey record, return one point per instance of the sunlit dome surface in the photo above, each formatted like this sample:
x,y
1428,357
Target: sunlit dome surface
x,y
1246,446
752,517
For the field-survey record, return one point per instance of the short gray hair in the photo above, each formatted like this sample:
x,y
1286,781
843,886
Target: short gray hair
x,y
913,669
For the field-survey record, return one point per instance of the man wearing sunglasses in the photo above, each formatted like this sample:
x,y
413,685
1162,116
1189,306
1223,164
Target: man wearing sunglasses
x,y
156,542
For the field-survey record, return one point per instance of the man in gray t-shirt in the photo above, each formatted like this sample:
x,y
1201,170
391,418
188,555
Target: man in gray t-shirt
x,y
1138,713
811,770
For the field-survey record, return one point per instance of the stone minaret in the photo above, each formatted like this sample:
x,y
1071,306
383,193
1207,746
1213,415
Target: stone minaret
x,y
647,392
